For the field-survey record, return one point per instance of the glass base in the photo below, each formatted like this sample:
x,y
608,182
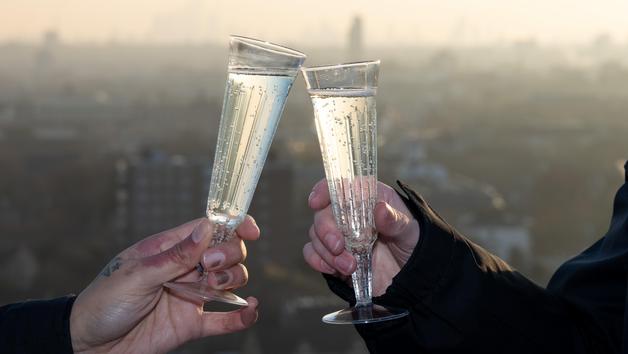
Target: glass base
x,y
364,314
199,290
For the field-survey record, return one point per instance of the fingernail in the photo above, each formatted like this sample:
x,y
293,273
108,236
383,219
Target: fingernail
x,y
213,259
221,277
199,232
338,246
256,226
334,241
389,210
392,214
343,263
312,195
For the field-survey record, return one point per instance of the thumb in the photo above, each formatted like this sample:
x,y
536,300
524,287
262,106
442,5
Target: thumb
x,y
395,226
180,258
389,221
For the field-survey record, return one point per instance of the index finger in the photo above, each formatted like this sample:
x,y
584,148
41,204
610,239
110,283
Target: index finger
x,y
319,197
162,241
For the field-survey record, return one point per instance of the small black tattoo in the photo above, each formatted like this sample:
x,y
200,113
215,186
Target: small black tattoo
x,y
111,267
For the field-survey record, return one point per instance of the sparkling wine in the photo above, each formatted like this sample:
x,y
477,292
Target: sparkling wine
x,y
260,75
343,96
346,126
251,110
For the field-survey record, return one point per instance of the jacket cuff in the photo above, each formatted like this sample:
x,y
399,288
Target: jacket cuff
x,y
430,261
38,326
340,288
426,267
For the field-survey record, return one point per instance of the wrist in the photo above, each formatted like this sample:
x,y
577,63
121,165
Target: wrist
x,y
76,337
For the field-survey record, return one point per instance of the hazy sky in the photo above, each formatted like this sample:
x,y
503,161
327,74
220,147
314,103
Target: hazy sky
x,y
296,21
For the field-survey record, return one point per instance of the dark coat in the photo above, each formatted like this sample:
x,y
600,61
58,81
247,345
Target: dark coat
x,y
463,299
39,326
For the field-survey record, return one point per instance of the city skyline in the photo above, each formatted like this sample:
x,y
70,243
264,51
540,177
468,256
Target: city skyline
x,y
395,22
103,144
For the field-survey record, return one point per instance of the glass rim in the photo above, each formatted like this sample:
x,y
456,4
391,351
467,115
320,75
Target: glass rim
x,y
341,65
268,46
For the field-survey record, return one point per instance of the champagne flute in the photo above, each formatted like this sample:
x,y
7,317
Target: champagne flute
x,y
260,75
343,97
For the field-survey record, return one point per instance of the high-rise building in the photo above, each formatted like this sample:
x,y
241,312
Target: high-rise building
x,y
273,210
45,57
355,44
157,191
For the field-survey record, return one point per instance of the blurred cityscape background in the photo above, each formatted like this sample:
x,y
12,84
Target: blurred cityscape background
x,y
514,130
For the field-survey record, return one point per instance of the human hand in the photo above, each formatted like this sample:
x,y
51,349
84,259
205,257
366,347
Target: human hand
x,y
398,234
127,310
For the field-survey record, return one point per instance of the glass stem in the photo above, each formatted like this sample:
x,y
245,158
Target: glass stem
x,y
222,233
362,277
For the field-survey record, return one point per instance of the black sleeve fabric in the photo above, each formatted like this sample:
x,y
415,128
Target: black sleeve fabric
x,y
596,279
37,326
463,299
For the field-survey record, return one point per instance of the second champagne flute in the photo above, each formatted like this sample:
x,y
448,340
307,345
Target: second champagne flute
x,y
260,75
343,97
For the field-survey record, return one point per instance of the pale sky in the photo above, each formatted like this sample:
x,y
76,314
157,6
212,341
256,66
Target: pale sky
x,y
316,22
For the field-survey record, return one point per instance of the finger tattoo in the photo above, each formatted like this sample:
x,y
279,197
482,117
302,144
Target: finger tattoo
x,y
111,267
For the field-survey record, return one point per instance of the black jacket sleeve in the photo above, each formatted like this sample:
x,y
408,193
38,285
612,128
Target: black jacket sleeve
x,y
462,299
38,326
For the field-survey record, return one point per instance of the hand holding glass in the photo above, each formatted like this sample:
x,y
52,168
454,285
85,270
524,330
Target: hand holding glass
x,y
343,97
260,75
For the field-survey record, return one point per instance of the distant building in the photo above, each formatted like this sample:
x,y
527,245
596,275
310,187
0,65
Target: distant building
x,y
45,56
355,44
272,207
512,243
157,191
478,210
